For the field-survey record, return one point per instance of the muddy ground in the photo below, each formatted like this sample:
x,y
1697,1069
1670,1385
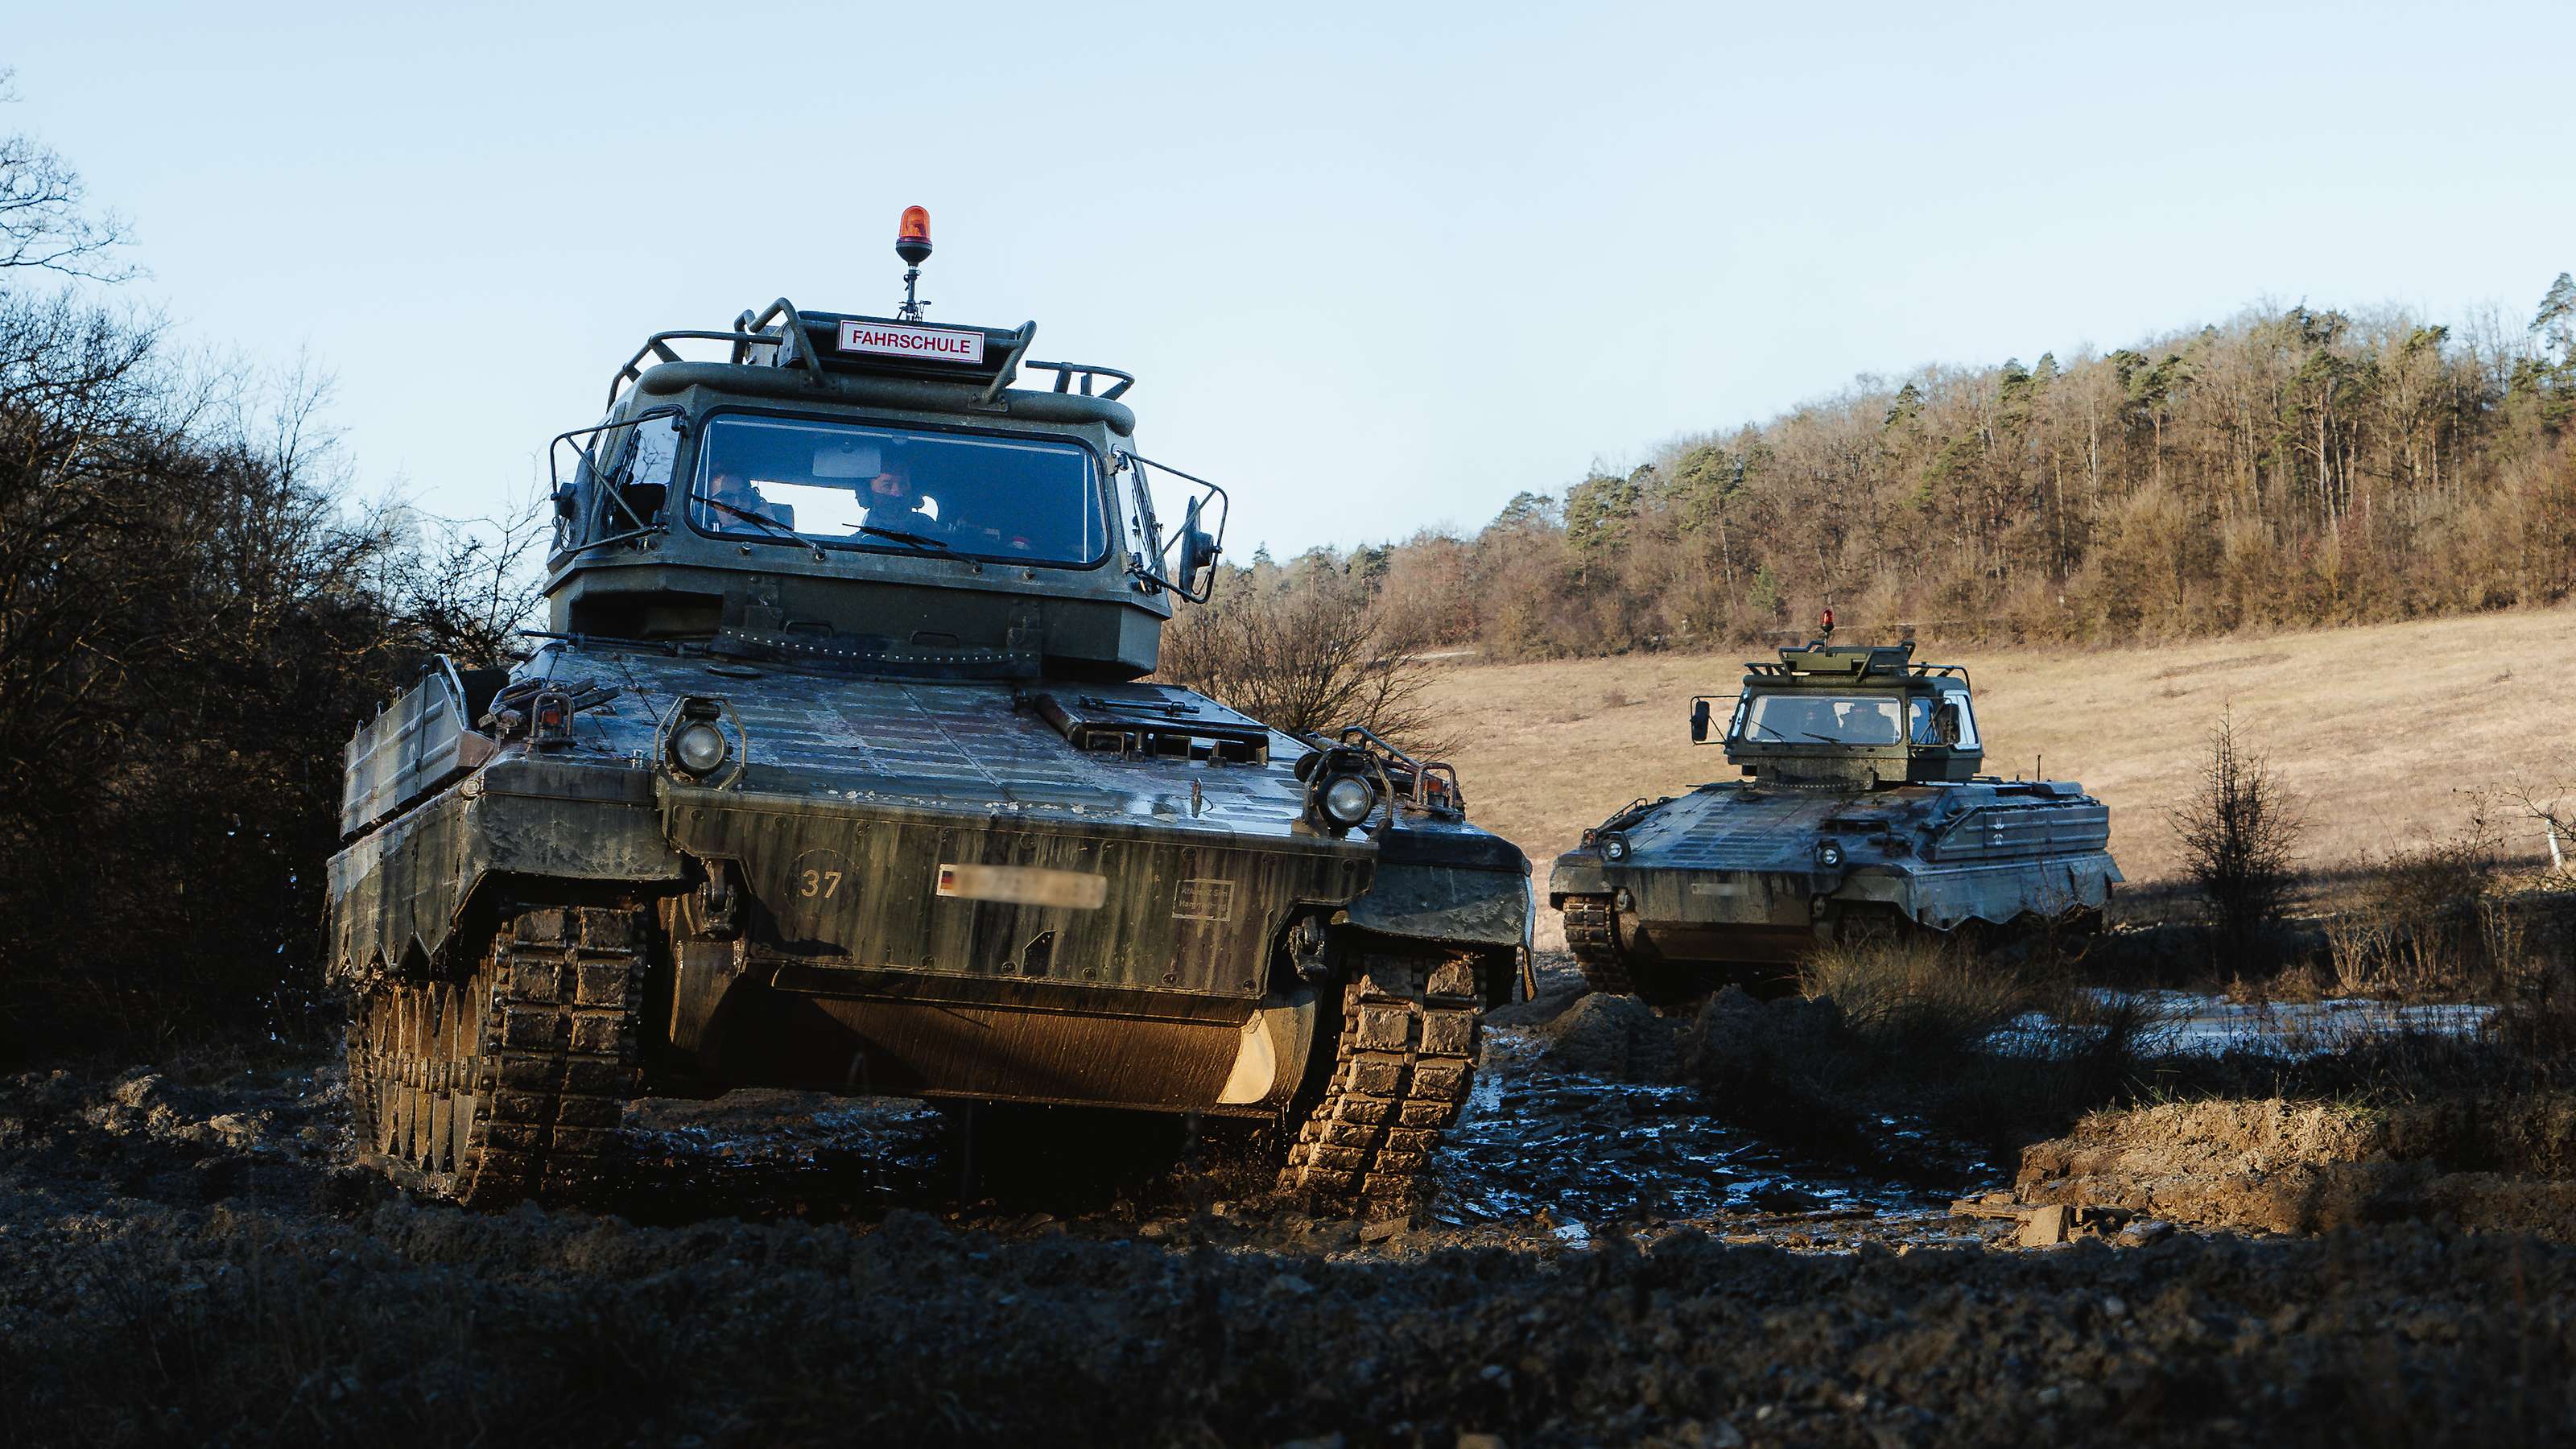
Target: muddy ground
x,y
186,1256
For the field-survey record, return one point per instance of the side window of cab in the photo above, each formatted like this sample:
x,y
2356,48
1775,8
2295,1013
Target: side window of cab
x,y
634,482
621,480
1944,720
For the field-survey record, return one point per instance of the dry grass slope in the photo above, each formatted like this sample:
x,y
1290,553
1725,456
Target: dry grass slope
x,y
2383,732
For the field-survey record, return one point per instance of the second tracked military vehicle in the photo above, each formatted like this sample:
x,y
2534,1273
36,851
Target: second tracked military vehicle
x,y
838,768
1863,815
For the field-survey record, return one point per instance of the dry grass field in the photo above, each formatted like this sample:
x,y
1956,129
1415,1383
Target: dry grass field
x,y
2385,734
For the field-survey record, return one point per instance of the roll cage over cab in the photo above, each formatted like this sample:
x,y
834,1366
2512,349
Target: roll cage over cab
x,y
872,489
1864,715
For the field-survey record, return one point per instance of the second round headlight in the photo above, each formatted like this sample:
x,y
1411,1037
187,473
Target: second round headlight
x,y
699,747
1348,799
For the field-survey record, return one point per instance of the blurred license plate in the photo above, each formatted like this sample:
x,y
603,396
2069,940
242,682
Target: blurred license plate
x,y
1024,885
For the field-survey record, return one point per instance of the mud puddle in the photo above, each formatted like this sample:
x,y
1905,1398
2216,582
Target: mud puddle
x,y
2186,1023
1574,1152
1539,1154
758,1154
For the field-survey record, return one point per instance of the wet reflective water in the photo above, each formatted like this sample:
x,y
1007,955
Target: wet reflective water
x,y
761,1154
2201,1024
1585,1151
1536,1147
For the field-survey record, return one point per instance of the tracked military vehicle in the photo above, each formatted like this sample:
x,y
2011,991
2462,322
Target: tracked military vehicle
x,y
1863,816
837,768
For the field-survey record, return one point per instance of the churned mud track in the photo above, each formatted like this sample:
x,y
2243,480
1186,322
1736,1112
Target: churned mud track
x,y
188,1257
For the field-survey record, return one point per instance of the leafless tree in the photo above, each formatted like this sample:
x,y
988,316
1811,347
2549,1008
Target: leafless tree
x,y
2290,465
46,222
467,587
1302,650
191,621
2546,807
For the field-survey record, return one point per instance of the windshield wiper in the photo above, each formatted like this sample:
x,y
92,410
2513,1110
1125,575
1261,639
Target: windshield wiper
x,y
899,536
783,532
1776,734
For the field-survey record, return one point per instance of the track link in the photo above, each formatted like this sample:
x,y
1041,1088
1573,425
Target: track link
x,y
510,1085
1400,1073
1592,934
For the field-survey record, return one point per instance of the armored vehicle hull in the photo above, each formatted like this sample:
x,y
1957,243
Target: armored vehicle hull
x,y
1864,817
834,772
911,888
1729,877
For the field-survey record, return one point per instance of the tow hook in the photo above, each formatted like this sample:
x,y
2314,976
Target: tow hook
x,y
719,904
1306,948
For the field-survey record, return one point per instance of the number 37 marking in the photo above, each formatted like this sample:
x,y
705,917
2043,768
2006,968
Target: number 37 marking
x,y
814,881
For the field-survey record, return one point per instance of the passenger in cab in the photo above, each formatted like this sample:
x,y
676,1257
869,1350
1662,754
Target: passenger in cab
x,y
738,497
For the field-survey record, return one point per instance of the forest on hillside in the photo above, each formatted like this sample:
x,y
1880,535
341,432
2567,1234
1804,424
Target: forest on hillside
x,y
2292,466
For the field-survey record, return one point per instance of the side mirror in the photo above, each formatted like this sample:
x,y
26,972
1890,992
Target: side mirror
x,y
1198,550
1197,547
1699,721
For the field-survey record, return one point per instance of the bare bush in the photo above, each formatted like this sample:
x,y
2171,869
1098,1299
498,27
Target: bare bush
x,y
1301,650
2548,809
2237,837
2425,921
1916,999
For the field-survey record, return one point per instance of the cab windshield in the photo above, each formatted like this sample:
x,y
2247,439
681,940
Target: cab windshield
x,y
899,490
1821,719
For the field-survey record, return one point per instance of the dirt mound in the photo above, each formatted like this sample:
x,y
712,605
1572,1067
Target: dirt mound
x,y
1560,986
1617,1037
1736,1037
1733,1037
2305,1167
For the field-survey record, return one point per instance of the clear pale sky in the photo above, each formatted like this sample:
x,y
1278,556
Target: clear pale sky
x,y
1377,267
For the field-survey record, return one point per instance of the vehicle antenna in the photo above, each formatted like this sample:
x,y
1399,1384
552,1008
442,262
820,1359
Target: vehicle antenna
x,y
912,243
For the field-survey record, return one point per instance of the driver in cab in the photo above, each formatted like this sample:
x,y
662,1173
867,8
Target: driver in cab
x,y
893,505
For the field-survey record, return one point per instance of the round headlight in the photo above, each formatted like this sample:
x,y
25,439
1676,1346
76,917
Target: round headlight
x,y
1348,799
1615,848
699,747
1829,855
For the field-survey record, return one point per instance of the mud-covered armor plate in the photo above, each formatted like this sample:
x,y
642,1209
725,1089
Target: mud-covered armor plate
x,y
1863,815
835,770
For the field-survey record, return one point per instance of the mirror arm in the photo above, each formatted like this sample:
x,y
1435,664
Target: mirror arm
x,y
554,476
1160,582
1216,540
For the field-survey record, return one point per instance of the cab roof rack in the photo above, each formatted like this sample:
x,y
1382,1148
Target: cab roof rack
x,y
779,335
1066,372
1819,659
1858,661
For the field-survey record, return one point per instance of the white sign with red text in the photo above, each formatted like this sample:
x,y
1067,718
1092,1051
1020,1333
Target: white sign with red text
x,y
888,339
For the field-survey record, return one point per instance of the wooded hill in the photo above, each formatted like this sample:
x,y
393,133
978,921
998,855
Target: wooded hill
x,y
2292,466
